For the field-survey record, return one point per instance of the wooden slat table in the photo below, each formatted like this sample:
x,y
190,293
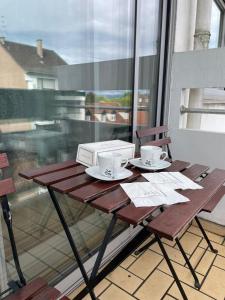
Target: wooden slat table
x,y
69,178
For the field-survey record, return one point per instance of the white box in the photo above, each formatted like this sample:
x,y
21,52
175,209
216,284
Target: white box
x,y
87,153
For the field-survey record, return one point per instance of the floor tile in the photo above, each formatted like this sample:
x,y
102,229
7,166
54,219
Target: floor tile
x,y
189,242
220,248
125,279
154,287
212,227
145,264
205,262
214,285
168,242
191,293
183,273
212,236
174,254
128,261
145,242
167,297
196,256
115,293
219,262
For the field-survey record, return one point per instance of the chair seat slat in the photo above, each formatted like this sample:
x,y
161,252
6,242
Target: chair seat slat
x,y
159,143
151,131
48,293
29,290
209,207
7,187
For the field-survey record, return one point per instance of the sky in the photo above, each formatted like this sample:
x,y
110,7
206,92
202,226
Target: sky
x,y
81,30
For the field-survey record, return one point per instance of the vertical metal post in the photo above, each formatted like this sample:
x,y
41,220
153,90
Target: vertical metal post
x,y
135,71
71,242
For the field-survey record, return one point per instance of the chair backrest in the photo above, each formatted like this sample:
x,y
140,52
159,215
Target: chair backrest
x,y
156,136
6,185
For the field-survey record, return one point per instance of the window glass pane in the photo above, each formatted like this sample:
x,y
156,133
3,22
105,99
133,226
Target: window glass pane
x,y
148,62
215,26
66,78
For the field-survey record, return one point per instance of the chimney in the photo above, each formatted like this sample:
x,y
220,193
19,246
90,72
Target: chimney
x,y
39,48
2,40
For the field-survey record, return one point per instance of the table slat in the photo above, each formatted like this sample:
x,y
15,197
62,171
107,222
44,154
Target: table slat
x,y
135,215
114,199
177,166
30,174
73,183
169,223
95,189
59,175
195,171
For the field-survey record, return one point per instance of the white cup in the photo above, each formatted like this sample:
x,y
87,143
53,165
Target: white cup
x,y
111,163
151,155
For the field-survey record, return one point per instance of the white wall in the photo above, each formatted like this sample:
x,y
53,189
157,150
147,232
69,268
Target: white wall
x,y
197,69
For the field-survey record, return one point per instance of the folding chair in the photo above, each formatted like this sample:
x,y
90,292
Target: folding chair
x,y
37,289
155,136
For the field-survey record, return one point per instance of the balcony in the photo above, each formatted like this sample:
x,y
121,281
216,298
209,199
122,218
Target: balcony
x,y
100,71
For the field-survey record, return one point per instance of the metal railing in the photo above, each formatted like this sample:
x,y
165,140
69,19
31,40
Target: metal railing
x,y
184,110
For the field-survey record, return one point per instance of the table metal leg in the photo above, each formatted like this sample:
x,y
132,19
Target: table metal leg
x,y
71,242
116,261
8,220
197,283
205,236
171,267
103,246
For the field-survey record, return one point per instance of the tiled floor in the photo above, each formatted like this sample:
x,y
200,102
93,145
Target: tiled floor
x,y
147,277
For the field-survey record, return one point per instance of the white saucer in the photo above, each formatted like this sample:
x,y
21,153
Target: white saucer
x,y
163,164
94,172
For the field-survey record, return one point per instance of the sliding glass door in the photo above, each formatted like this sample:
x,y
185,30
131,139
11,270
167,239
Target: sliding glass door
x,y
67,77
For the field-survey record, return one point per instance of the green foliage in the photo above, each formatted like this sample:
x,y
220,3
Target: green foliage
x,y
124,100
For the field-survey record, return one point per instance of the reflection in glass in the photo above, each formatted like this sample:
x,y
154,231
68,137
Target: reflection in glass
x,y
66,79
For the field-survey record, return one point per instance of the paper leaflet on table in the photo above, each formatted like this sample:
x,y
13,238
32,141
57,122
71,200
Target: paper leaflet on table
x,y
172,180
148,194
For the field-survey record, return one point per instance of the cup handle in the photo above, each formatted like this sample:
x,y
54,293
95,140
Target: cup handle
x,y
125,163
164,153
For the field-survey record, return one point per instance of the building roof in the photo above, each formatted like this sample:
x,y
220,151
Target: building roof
x,y
26,56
